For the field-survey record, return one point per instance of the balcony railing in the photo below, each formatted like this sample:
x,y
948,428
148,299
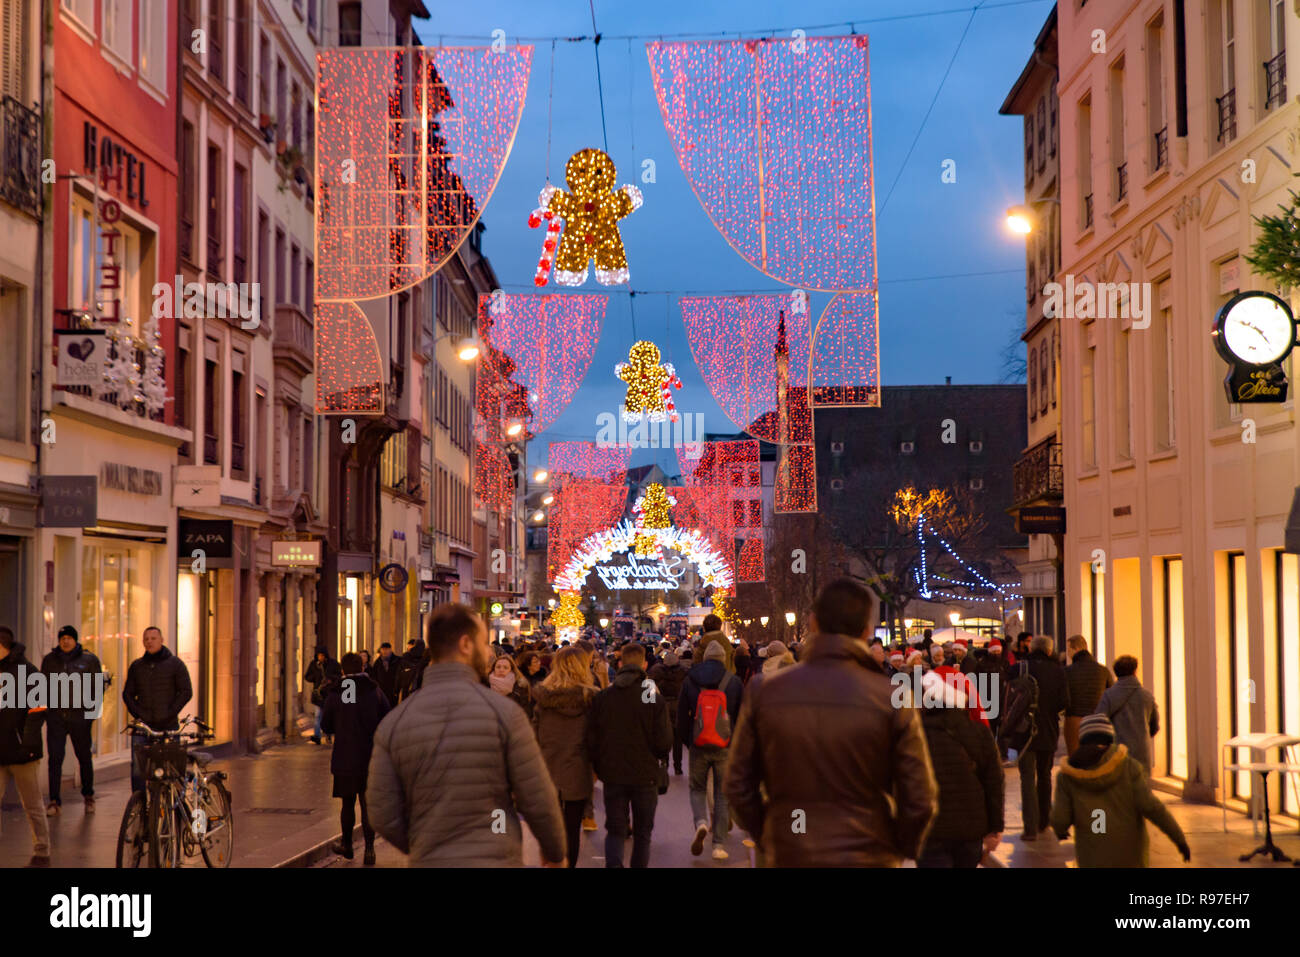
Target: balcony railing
x,y
1087,211
1275,81
241,83
1038,475
236,456
120,398
20,182
293,340
1121,182
1162,148
187,240
1227,115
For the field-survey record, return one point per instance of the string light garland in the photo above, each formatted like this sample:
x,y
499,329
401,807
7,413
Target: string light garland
x,y
550,341
349,376
723,488
649,384
745,117
589,485
981,589
845,364
589,215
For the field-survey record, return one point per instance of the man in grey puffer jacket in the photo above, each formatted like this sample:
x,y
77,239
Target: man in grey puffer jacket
x,y
468,759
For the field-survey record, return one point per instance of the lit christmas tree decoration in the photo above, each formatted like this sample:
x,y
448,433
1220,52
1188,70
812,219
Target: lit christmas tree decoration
x,y
846,353
649,384
774,135
722,605
589,212
1275,254
568,618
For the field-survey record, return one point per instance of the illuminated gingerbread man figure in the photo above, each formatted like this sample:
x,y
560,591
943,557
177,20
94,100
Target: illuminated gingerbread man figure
x,y
648,384
591,212
653,511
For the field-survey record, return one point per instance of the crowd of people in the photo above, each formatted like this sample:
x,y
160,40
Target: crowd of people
x,y
452,746
806,749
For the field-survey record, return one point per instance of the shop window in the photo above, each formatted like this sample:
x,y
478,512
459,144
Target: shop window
x,y
1237,659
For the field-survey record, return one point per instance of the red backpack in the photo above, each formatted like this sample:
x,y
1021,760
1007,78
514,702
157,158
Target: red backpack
x,y
712,722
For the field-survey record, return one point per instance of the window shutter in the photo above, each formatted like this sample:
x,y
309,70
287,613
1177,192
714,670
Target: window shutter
x,y
13,51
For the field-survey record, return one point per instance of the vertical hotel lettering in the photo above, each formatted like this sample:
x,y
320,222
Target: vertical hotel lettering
x,y
121,170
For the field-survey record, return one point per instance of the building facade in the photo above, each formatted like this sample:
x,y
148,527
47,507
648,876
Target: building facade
x,y
1175,132
1037,478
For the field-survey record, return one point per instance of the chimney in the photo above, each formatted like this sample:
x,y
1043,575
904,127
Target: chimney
x,y
947,380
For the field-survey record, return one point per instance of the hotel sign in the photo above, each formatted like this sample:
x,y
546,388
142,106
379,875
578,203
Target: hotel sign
x,y
296,553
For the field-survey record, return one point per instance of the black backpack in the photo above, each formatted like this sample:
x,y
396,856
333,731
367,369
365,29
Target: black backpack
x,y
1021,721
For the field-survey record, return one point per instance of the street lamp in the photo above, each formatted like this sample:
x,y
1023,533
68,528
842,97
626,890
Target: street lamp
x,y
548,498
514,428
763,620
1021,219
789,618
540,476
604,622
538,515
954,617
550,603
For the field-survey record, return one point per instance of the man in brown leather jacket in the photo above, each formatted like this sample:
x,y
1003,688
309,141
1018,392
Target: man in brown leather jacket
x,y
831,751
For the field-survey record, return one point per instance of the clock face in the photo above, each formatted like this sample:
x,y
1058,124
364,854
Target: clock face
x,y
1257,330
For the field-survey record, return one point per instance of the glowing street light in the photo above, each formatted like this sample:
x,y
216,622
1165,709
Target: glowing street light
x,y
550,602
789,618
538,515
540,476
514,428
1020,220
954,617
763,620
548,499
467,350
604,622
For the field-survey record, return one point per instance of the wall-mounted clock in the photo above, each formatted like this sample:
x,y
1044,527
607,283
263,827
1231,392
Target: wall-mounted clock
x,y
1254,332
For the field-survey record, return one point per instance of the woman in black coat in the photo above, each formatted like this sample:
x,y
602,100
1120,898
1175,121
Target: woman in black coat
x,y
969,774
352,711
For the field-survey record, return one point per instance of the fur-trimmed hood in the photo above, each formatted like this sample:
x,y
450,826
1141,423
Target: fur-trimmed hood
x,y
572,701
1103,774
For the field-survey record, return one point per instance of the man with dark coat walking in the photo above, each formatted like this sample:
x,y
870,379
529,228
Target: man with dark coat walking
x,y
1035,762
20,748
669,675
847,775
628,735
410,669
157,687
353,708
1088,679
73,661
384,671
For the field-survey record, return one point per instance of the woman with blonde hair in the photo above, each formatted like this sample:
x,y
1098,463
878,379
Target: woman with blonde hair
x,y
505,678
562,700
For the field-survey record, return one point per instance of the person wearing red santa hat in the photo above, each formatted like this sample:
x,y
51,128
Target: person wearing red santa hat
x,y
965,662
953,676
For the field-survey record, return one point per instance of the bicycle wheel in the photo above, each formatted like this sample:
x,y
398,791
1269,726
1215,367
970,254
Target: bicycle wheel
x,y
133,835
164,840
218,843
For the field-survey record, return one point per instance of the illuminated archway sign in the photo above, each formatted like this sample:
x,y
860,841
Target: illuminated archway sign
x,y
596,550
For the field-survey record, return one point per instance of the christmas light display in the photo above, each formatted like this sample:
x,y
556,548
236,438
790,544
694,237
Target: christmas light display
x,y
846,353
653,510
980,589
775,137
494,479
649,384
723,487
568,618
713,567
121,371
349,375
753,355
410,144
589,214
553,226
589,485
722,605
795,489
550,341
749,560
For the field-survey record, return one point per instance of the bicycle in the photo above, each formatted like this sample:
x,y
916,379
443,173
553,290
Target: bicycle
x,y
184,810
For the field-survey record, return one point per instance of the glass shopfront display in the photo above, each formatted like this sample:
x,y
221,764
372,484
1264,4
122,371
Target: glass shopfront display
x,y
118,602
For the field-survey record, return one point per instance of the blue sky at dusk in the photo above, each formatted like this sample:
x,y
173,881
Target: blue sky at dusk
x,y
925,228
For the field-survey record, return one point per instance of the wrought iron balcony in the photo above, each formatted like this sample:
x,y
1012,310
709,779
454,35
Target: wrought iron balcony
x,y
1038,476
20,179
1227,115
1275,80
1121,182
1162,148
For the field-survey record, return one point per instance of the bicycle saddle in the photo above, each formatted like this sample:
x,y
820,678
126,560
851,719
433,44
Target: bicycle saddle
x,y
201,758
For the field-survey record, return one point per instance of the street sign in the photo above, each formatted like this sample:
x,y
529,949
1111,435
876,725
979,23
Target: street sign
x,y
1041,520
393,578
497,608
68,501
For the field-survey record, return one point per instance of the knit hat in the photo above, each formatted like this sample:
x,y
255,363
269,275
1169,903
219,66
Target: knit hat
x,y
715,652
762,652
670,659
775,649
1096,724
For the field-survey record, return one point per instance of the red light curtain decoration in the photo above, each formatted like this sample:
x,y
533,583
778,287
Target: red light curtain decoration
x,y
410,144
845,367
590,489
775,138
753,353
724,496
550,340
349,378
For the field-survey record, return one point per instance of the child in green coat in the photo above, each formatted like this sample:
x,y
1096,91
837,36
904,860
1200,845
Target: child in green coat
x,y
1103,794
